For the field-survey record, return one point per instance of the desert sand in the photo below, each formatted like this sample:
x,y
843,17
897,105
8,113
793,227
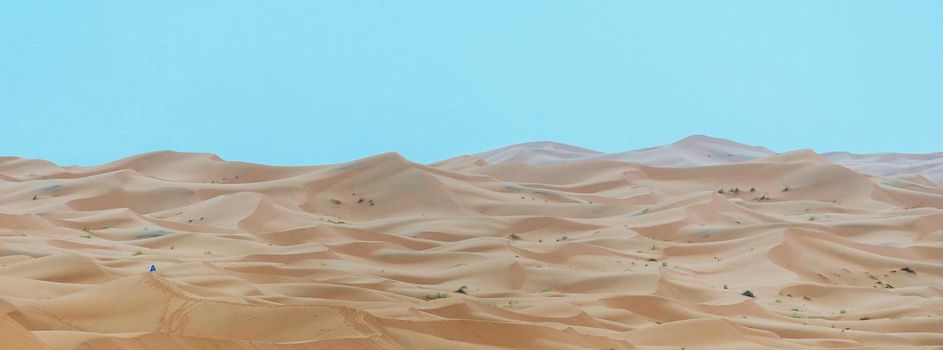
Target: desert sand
x,y
701,244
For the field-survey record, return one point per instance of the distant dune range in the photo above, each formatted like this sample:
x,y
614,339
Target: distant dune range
x,y
703,150
700,244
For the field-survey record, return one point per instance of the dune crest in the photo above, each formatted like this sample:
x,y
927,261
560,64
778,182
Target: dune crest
x,y
701,244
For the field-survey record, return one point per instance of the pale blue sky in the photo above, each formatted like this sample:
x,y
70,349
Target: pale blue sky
x,y
311,82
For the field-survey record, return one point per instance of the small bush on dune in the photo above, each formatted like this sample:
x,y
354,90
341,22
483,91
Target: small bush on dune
x,y
437,295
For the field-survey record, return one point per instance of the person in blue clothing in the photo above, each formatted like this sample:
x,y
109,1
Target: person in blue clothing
x,y
153,268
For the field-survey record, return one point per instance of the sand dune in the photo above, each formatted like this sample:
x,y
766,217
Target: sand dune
x,y
699,150
702,244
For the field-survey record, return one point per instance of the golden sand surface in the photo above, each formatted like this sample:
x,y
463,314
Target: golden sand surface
x,y
780,251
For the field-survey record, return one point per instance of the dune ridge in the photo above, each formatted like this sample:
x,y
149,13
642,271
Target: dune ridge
x,y
701,150
540,246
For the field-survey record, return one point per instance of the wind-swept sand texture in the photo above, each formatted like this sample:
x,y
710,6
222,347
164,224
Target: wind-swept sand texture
x,y
787,251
